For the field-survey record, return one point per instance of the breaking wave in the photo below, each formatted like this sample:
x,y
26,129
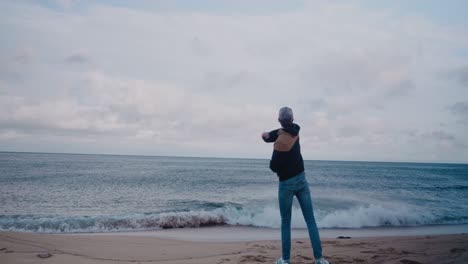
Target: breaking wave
x,y
258,216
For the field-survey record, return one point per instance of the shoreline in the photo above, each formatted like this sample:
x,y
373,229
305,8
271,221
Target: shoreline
x,y
95,248
234,233
246,233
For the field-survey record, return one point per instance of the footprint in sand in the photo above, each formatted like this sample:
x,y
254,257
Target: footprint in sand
x,y
44,255
409,261
358,260
252,259
368,251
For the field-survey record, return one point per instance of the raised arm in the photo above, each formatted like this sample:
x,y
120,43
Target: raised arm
x,y
270,136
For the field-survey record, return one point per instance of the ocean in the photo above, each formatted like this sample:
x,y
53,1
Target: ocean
x,y
73,193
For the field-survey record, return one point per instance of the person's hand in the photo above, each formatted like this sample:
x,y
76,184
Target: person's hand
x,y
265,135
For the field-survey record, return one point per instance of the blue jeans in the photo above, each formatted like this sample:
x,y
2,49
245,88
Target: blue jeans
x,y
297,186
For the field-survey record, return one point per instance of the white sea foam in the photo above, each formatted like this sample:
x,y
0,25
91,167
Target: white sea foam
x,y
377,215
266,215
355,217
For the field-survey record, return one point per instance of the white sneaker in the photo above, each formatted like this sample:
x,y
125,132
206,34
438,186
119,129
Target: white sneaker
x,y
281,261
321,261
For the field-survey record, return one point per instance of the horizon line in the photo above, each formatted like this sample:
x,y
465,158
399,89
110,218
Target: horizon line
x,y
208,157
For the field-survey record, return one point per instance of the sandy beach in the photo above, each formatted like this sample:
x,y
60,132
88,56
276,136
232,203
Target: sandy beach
x,y
133,248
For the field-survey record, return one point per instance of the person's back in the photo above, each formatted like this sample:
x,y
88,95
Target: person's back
x,y
286,161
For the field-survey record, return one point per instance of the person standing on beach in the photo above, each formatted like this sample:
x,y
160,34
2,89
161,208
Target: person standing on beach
x,y
288,164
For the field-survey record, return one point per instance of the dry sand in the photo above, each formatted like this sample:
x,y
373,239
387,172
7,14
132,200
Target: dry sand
x,y
120,248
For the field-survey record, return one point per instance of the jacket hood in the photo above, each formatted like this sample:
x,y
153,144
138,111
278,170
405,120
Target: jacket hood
x,y
292,129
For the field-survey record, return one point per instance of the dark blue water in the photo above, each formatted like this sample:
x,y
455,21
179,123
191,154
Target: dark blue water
x,y
102,193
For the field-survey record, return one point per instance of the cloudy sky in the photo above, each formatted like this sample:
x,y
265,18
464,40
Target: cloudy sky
x,y
367,80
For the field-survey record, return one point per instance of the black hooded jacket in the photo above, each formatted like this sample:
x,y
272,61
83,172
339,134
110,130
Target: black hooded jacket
x,y
286,160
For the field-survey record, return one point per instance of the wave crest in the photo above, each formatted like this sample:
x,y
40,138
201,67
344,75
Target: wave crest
x,y
266,215
52,224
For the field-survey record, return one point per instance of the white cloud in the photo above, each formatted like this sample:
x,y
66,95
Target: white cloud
x,y
208,84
